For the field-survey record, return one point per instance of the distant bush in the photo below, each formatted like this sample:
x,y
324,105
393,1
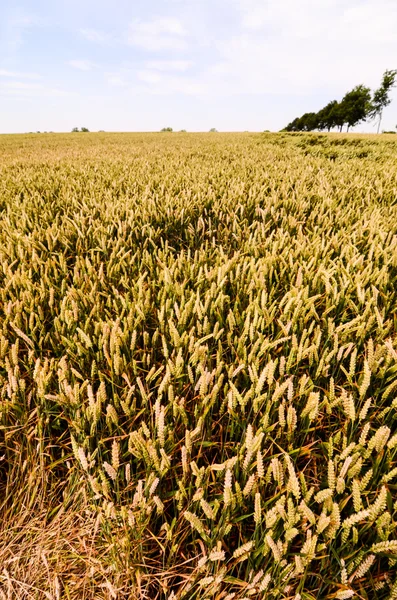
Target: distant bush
x,y
169,129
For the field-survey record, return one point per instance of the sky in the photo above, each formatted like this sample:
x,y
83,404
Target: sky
x,y
236,65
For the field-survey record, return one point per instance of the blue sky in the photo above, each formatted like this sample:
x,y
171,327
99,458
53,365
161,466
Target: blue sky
x,y
235,65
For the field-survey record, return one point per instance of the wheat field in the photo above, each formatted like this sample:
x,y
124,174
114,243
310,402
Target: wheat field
x,y
198,366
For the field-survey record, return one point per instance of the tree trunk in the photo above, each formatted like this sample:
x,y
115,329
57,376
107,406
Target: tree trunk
x,y
380,121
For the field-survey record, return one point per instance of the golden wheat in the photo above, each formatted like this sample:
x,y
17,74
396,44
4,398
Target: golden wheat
x,y
198,366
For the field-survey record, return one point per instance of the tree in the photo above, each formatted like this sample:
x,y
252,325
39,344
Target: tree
x,y
326,116
308,121
169,129
84,130
381,97
293,126
213,130
75,130
355,106
337,116
297,124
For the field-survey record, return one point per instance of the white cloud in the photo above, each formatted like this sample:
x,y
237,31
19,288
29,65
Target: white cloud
x,y
92,35
368,23
168,65
81,64
162,33
18,74
116,80
188,87
21,85
346,20
158,85
306,47
161,25
149,76
29,90
154,82
16,26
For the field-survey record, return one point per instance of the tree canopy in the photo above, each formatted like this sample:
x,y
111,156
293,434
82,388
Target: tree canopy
x,y
356,106
381,97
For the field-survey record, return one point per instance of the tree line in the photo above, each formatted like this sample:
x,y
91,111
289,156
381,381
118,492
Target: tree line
x,y
356,106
